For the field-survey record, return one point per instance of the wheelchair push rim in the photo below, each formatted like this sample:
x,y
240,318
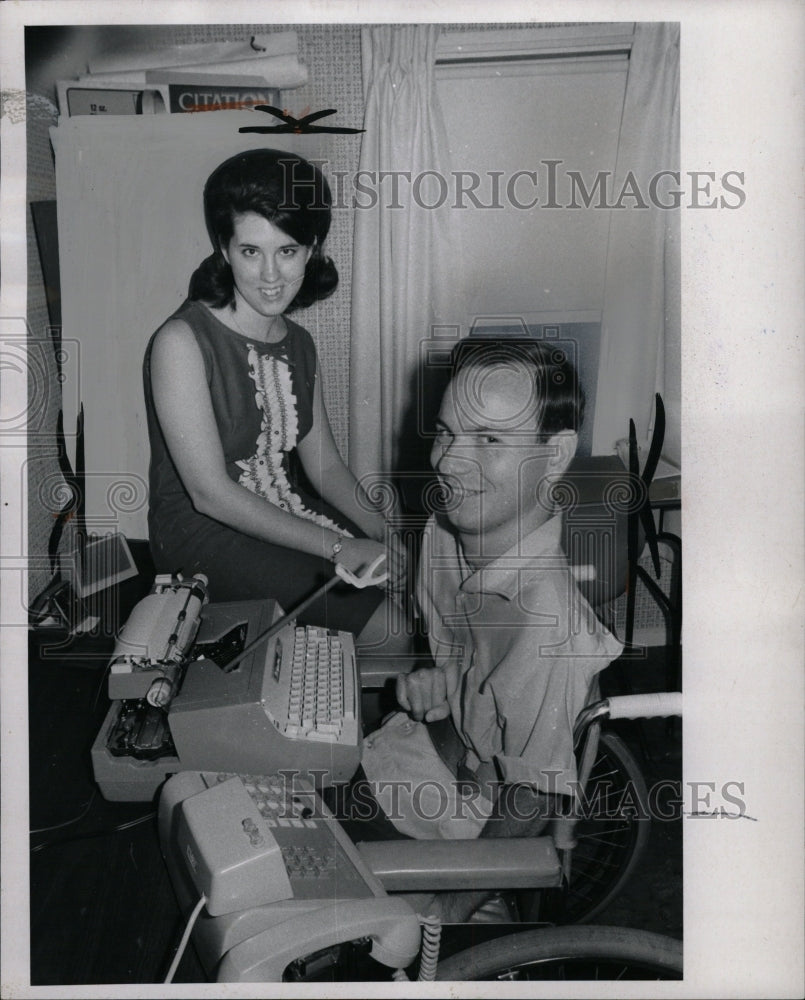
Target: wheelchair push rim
x,y
568,954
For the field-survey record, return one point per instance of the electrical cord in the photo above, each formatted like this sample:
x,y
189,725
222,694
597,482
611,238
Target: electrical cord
x,y
68,822
431,939
93,833
86,809
106,670
185,938
429,953
83,813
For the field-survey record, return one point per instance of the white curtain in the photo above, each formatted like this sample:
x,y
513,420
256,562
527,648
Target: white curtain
x,y
641,309
406,259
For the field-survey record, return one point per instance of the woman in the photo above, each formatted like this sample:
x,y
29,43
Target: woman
x,y
236,420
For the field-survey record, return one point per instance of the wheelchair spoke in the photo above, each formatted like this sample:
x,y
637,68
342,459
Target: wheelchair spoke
x,y
609,837
604,840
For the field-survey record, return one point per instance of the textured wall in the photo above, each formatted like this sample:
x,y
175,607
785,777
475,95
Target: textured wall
x,y
333,56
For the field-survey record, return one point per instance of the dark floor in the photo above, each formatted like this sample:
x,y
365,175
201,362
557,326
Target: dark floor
x,y
102,907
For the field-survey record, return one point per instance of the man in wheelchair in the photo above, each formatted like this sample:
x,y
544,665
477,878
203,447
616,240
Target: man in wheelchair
x,y
484,747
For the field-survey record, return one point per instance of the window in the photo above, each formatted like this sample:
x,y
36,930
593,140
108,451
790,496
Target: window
x,y
533,115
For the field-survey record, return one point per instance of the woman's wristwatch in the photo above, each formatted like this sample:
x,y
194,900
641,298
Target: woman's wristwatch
x,y
337,546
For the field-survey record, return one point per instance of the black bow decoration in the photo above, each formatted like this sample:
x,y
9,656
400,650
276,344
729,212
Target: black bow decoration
x,y
294,126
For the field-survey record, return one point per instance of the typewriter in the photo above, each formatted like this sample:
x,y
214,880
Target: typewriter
x,y
185,697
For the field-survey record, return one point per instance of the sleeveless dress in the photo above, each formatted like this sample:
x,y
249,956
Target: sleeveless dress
x,y
262,397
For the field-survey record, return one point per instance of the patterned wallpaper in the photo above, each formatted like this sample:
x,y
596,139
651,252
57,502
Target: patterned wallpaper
x,y
333,57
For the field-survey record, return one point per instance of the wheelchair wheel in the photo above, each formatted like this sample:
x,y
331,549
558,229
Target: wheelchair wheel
x,y
611,837
568,954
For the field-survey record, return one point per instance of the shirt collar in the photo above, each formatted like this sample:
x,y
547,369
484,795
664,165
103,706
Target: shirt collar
x,y
530,556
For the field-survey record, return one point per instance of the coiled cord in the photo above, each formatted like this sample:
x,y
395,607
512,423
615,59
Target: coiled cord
x,y
429,955
431,939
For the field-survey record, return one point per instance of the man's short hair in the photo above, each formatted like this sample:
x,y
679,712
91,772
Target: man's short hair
x,y
557,389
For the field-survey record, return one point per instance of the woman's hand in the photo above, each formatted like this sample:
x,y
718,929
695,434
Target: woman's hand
x,y
358,554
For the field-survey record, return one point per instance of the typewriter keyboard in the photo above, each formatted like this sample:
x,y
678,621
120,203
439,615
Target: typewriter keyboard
x,y
320,673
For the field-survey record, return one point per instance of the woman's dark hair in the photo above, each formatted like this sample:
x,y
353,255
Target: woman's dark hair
x,y
290,193
557,390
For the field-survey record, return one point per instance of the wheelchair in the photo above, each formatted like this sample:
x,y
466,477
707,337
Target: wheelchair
x,y
563,878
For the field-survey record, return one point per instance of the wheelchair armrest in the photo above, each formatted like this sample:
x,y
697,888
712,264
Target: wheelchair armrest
x,y
441,865
375,671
